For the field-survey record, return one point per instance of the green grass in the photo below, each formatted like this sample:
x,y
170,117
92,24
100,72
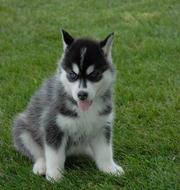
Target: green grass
x,y
147,56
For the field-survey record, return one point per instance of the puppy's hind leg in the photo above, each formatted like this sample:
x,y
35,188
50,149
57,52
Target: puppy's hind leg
x,y
26,141
39,167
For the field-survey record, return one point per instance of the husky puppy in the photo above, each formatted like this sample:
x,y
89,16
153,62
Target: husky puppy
x,y
72,112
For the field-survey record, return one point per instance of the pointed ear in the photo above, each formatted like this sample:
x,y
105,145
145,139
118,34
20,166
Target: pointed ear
x,y
106,44
67,39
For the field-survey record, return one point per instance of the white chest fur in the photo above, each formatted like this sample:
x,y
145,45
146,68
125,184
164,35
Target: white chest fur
x,y
87,124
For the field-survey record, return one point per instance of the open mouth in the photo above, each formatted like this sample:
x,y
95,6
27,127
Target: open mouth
x,y
84,105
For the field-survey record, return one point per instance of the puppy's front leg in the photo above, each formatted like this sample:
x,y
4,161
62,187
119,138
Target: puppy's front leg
x,y
103,154
55,143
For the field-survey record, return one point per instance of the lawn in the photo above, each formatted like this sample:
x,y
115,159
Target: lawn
x,y
146,53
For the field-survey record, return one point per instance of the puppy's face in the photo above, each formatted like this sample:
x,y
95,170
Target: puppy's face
x,y
86,71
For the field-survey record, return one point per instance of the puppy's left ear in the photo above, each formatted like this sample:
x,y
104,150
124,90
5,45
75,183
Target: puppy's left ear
x,y
106,44
67,39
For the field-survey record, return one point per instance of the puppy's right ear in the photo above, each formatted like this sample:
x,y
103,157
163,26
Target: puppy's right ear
x,y
67,39
106,44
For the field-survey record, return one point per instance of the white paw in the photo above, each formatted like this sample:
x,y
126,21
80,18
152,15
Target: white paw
x,y
53,175
39,167
112,168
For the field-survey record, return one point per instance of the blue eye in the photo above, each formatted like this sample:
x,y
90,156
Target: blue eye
x,y
95,76
72,76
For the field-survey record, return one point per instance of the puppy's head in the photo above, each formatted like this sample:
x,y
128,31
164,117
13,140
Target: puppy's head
x,y
86,68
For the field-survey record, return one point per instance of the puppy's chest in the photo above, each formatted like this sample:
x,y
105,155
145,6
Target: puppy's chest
x,y
86,124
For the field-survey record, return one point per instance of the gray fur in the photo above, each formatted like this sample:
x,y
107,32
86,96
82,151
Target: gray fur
x,y
107,98
40,113
108,133
54,135
83,52
107,110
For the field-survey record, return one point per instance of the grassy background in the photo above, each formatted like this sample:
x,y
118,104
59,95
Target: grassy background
x,y
147,55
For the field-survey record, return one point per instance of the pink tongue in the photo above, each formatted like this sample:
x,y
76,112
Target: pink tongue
x,y
84,105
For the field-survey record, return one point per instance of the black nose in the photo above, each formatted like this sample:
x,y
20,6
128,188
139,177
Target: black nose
x,y
82,95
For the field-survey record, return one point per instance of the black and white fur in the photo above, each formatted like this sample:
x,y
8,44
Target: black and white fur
x,y
53,127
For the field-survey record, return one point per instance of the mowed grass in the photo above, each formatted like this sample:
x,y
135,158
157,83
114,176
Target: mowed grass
x,y
146,53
